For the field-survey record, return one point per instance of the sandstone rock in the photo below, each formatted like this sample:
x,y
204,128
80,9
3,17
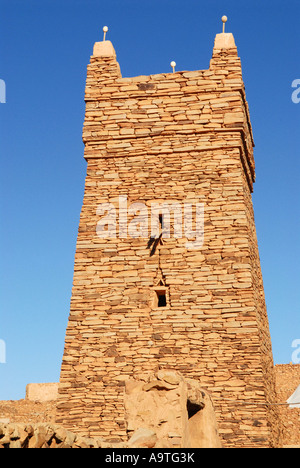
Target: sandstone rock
x,y
80,442
158,384
30,430
5,439
15,444
143,438
47,436
36,441
65,436
170,377
181,414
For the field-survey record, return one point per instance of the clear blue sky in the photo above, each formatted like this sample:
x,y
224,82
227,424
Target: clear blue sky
x,y
45,46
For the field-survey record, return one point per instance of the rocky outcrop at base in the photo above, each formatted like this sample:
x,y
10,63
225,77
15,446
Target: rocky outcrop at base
x,y
164,411
17,435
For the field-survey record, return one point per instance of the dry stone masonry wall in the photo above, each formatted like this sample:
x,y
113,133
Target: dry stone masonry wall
x,y
180,138
288,380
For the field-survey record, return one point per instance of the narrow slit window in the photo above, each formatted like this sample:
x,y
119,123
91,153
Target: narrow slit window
x,y
160,218
161,298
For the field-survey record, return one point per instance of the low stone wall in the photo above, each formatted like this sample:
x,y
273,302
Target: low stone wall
x,y
42,391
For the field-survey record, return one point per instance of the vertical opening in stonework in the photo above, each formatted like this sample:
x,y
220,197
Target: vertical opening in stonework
x,y
192,408
161,298
160,219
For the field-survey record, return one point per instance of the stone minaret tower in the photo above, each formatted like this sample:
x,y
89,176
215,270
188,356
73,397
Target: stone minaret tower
x,y
144,298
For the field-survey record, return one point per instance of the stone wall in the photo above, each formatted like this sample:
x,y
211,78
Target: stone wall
x,y
287,380
42,391
183,137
